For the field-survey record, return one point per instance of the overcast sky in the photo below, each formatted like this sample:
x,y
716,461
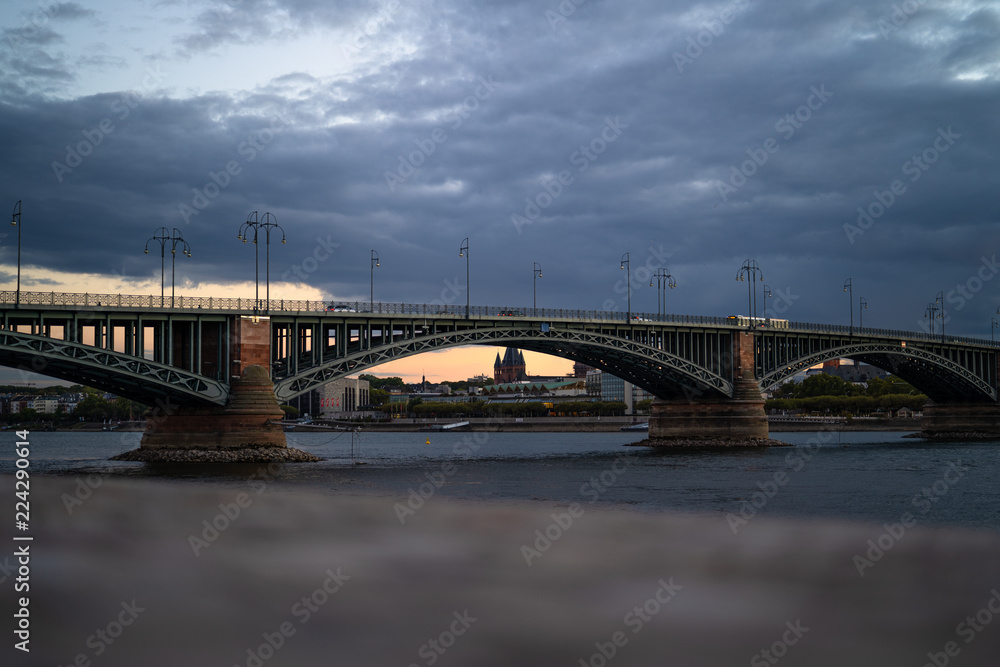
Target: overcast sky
x,y
825,140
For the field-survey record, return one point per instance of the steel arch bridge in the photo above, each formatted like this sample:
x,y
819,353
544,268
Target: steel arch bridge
x,y
188,353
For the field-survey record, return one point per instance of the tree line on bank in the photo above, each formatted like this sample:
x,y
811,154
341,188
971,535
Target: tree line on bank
x,y
93,406
824,393
480,408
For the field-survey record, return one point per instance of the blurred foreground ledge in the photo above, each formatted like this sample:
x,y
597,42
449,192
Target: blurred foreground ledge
x,y
172,574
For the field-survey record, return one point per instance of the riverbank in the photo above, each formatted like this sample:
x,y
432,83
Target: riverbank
x,y
250,577
594,425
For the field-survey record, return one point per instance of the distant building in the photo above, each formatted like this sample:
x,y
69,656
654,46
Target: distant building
x,y
594,383
616,389
342,397
511,368
580,370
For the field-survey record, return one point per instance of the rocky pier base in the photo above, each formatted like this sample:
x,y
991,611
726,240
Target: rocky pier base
x,y
736,422
247,430
960,421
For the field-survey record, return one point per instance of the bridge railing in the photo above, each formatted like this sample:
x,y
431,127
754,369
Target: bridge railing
x,y
888,333
145,301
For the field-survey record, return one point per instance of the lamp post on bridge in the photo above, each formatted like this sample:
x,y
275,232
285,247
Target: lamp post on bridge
x,y
939,299
931,314
849,288
174,237
463,251
536,273
751,270
626,266
268,222
15,221
663,281
993,326
371,297
862,307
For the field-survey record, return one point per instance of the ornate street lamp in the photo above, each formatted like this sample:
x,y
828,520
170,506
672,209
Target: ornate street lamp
x,y
162,236
862,307
995,324
752,271
536,273
15,220
849,288
939,299
463,251
375,262
663,281
625,266
931,313
267,223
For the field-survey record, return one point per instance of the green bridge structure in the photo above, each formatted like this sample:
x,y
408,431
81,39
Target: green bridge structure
x,y
215,368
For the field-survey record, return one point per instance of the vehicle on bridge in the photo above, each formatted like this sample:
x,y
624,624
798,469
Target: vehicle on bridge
x,y
765,322
333,307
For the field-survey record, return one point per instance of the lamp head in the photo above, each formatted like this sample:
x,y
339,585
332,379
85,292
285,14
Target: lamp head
x,y
145,251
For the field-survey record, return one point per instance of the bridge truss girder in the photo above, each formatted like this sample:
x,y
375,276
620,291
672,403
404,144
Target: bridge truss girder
x,y
939,377
663,374
145,381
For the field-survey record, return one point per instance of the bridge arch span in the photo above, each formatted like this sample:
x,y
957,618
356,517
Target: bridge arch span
x,y
663,374
940,378
122,374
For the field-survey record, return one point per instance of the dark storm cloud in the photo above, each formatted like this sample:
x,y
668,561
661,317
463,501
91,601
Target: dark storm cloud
x,y
692,136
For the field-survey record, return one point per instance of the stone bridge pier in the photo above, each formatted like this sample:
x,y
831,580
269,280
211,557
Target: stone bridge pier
x,y
247,428
723,421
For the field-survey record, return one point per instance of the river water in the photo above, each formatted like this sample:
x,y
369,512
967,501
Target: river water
x,y
876,477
